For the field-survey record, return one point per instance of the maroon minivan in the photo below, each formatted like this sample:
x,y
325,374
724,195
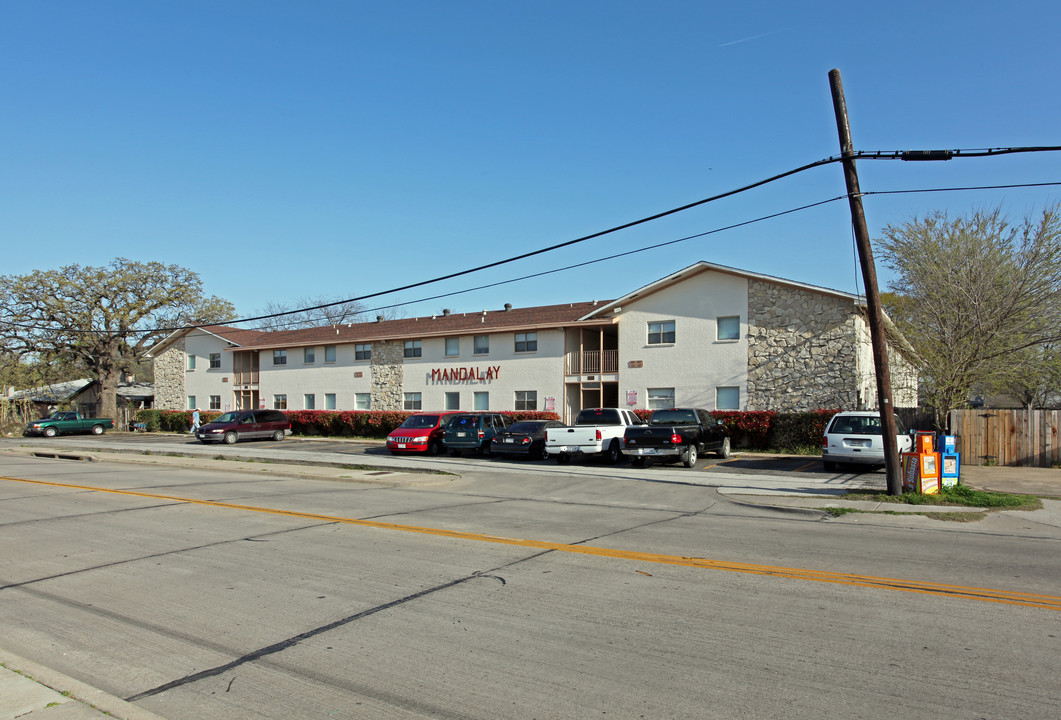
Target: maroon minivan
x,y
245,425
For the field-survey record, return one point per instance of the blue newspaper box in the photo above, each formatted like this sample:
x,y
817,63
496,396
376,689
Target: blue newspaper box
x,y
949,444
950,469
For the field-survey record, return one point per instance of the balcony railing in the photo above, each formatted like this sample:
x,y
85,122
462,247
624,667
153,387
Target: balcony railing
x,y
592,362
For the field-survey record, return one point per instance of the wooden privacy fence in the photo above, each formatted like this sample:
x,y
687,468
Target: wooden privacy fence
x,y
1007,437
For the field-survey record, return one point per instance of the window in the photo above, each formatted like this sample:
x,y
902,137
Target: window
x,y
453,347
482,344
661,332
329,353
481,401
727,398
660,398
413,401
191,402
362,401
453,401
191,361
279,402
729,328
527,342
526,399
215,402
363,351
329,401
215,360
309,355
279,357
309,401
413,349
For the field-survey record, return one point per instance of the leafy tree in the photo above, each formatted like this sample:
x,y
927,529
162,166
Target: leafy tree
x,y
102,317
973,295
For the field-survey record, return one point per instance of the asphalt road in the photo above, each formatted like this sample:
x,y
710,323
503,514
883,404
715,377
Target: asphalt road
x,y
513,591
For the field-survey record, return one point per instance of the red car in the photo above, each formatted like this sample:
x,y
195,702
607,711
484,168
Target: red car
x,y
420,433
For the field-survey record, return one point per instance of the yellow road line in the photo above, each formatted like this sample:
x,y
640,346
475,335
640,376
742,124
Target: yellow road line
x,y
804,467
1048,602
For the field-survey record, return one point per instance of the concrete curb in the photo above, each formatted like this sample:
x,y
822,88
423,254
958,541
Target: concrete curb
x,y
35,701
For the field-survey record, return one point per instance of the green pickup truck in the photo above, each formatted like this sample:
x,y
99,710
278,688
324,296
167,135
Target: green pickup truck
x,y
68,422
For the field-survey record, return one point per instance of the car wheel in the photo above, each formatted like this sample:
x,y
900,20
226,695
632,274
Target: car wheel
x,y
231,438
724,451
434,447
563,458
689,456
611,455
542,453
50,432
637,461
97,429
279,435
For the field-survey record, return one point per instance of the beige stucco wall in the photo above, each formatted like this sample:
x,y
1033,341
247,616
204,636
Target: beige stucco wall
x,y
697,363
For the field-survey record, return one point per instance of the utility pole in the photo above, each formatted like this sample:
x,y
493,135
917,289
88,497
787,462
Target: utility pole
x,y
869,277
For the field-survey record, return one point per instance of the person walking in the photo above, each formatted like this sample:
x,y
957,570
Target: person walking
x,y
195,421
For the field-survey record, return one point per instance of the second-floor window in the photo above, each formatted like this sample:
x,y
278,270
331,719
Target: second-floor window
x,y
309,355
279,357
482,344
329,353
729,328
363,351
660,333
215,360
453,346
413,349
527,342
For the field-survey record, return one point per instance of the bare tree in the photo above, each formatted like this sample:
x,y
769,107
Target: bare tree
x,y
102,318
307,312
973,294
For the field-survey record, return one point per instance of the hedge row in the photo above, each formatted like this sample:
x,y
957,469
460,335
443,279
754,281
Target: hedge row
x,y
332,423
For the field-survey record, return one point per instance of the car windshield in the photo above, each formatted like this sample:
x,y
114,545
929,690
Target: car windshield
x,y
673,417
227,417
527,426
418,422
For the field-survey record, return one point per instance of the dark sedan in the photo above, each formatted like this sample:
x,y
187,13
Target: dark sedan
x,y
526,438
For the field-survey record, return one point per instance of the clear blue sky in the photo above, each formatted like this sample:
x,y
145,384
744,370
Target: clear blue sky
x,y
320,148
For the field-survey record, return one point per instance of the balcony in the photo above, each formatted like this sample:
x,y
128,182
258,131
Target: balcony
x,y
592,362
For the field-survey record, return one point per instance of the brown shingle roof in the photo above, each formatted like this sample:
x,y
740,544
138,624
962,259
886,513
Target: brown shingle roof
x,y
515,319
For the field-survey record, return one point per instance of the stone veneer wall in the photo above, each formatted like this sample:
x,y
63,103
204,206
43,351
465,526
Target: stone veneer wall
x,y
802,351
169,377
388,365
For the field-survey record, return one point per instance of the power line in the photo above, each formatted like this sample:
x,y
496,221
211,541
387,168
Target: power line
x,y
864,155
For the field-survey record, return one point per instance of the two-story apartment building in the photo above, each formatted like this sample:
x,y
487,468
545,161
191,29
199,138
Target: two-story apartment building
x,y
707,336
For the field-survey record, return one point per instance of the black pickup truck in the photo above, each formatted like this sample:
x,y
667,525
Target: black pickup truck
x,y
676,434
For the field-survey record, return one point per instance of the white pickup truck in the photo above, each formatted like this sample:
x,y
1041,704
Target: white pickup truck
x,y
597,431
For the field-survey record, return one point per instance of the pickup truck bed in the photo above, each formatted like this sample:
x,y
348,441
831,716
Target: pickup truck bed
x,y
597,431
676,434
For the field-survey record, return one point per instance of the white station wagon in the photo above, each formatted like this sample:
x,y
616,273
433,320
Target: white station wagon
x,y
855,438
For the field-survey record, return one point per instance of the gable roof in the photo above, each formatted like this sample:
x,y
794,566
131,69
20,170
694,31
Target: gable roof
x,y
231,335
54,393
702,267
